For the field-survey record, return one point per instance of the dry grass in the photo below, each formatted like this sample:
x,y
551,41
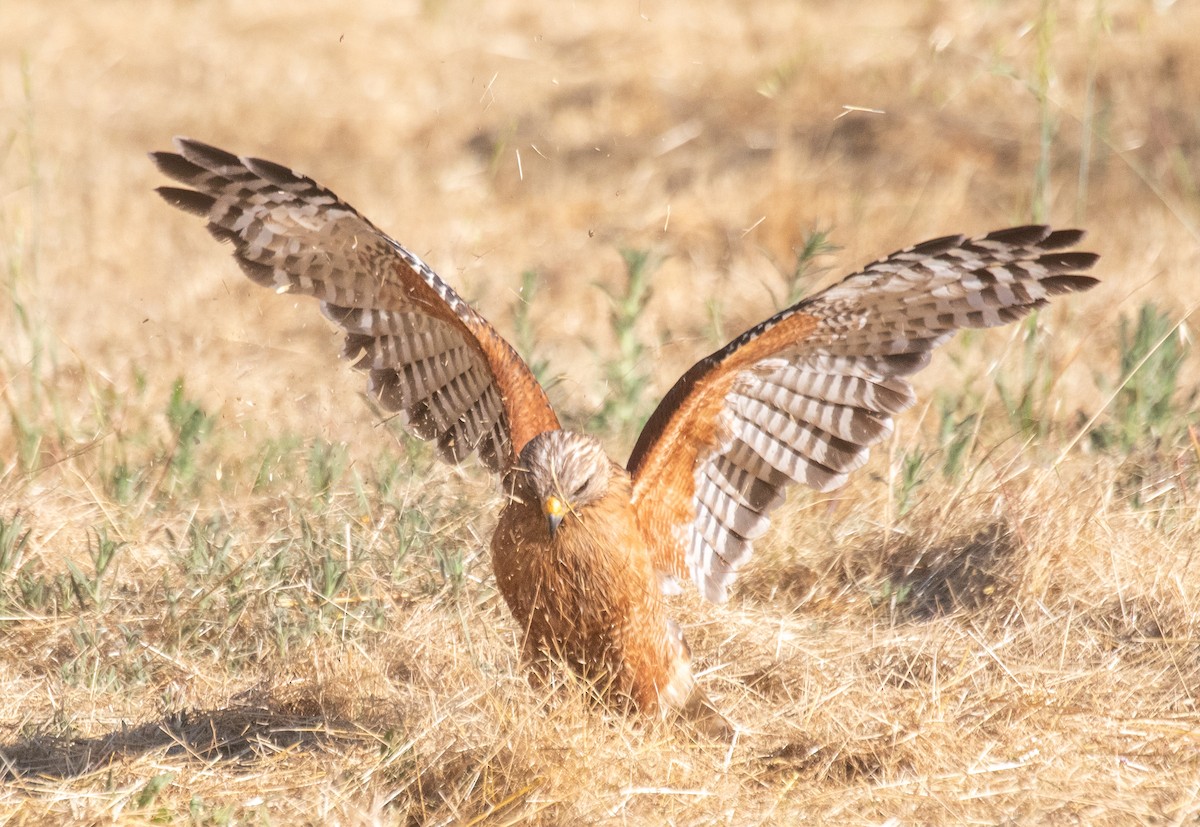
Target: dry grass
x,y
248,601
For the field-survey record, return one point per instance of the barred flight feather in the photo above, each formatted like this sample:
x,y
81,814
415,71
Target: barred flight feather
x,y
843,421
739,486
807,392
874,397
426,352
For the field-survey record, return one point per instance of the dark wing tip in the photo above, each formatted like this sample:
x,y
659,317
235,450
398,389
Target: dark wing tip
x,y
277,174
191,201
1037,235
1070,283
176,167
935,246
257,272
205,155
1060,239
161,158
1071,260
1023,236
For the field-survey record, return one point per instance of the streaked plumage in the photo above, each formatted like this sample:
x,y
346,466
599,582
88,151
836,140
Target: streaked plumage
x,y
585,550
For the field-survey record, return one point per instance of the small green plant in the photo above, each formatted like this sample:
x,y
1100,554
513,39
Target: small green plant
x,y
452,567
892,594
955,437
276,461
1149,404
525,339
913,474
497,149
27,356
1025,399
150,792
208,546
409,530
715,321
805,270
14,539
624,407
84,667
29,440
102,551
327,462
189,426
202,814
39,592
124,483
330,568
780,77
26,395
1093,121
128,444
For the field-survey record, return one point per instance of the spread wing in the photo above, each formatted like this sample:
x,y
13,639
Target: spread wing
x,y
427,353
804,395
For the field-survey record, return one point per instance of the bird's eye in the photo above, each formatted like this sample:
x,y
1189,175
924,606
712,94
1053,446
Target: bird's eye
x,y
579,489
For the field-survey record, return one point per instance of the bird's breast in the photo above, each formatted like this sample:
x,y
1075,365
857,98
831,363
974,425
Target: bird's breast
x,y
594,567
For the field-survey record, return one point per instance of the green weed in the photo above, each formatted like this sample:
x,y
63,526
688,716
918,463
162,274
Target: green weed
x,y
202,814
327,462
150,792
24,360
1026,398
14,540
102,551
328,569
524,338
208,548
410,530
451,566
37,592
190,424
1150,404
913,474
277,460
955,437
805,269
124,483
625,407
1093,121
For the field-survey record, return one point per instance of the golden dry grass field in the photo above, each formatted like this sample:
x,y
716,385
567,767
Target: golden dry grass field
x,y
232,593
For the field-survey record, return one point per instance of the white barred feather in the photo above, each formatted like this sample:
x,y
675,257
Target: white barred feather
x,y
291,234
809,412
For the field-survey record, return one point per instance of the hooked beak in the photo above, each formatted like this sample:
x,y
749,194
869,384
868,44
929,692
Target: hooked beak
x,y
555,510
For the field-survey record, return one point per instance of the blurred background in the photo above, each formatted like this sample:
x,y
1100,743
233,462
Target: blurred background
x,y
503,139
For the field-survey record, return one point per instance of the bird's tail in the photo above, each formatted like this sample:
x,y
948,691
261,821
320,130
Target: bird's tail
x,y
684,696
702,715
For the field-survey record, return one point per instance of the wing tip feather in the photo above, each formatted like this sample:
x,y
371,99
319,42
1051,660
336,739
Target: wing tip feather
x,y
191,201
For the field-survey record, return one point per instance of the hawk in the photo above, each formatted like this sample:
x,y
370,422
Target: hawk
x,y
586,550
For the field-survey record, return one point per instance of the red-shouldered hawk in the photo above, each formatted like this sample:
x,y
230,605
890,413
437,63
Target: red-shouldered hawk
x,y
584,549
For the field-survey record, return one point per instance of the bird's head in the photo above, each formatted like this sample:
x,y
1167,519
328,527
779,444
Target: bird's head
x,y
565,472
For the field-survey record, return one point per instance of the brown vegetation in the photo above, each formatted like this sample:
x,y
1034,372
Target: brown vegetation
x,y
229,593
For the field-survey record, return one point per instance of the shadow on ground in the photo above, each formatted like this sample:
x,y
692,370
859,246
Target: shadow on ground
x,y
923,580
914,577
239,733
